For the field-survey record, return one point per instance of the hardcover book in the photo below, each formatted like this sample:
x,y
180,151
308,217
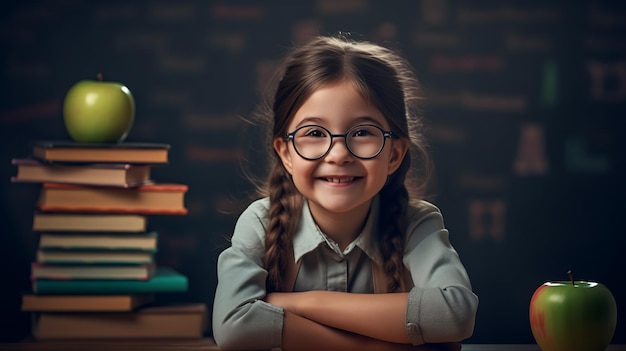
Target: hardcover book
x,y
163,322
91,271
125,152
76,241
94,257
84,303
144,199
102,174
89,222
164,280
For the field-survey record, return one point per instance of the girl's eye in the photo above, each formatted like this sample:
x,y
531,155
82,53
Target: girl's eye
x,y
315,132
362,132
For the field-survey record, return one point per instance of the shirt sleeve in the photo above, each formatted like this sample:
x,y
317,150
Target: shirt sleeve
x,y
441,306
241,319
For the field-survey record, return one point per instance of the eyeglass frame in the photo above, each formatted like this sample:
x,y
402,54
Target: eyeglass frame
x,y
386,134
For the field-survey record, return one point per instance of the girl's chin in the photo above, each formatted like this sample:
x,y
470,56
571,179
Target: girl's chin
x,y
338,206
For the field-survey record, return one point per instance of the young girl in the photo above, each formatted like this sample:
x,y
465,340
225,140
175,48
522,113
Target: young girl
x,y
337,256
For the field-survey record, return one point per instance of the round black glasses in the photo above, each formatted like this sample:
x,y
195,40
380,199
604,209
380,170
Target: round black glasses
x,y
364,141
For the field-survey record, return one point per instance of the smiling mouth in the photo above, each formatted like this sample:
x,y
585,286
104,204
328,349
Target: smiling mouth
x,y
340,179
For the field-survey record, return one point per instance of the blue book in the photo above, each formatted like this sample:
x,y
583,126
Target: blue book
x,y
165,280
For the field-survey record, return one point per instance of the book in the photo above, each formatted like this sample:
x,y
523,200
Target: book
x,y
163,322
101,174
124,152
144,199
88,222
164,280
76,241
91,271
84,303
94,257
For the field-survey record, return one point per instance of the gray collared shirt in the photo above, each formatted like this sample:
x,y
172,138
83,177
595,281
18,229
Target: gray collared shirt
x,y
441,305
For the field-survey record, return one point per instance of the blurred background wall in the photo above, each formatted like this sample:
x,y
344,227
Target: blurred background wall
x,y
525,105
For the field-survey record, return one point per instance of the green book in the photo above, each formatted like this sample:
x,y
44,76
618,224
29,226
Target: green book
x,y
164,280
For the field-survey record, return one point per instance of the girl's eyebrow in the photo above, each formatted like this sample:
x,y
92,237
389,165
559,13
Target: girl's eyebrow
x,y
368,119
356,121
310,120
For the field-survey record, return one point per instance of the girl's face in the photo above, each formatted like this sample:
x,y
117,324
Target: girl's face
x,y
339,183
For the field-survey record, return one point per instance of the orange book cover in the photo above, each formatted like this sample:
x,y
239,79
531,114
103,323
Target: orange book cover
x,y
157,198
177,321
146,187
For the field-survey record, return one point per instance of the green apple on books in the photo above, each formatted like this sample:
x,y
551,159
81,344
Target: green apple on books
x,y
98,111
95,253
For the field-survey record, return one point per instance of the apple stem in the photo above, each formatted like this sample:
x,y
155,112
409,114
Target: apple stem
x,y
571,276
100,77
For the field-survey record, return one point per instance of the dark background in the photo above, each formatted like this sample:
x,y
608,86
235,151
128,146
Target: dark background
x,y
525,102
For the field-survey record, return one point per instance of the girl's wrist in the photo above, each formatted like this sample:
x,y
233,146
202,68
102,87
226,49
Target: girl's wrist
x,y
305,303
291,302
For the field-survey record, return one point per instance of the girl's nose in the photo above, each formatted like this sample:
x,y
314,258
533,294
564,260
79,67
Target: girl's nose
x,y
338,152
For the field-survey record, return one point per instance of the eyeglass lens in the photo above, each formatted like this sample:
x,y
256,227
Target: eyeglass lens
x,y
363,141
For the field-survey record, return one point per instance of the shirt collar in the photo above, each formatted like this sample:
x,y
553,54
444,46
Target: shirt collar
x,y
308,236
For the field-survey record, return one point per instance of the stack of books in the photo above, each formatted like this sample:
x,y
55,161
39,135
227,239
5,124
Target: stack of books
x,y
95,274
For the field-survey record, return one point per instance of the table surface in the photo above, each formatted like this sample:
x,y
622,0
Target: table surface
x,y
204,345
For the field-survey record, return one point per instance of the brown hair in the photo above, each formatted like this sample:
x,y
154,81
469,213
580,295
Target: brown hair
x,y
384,78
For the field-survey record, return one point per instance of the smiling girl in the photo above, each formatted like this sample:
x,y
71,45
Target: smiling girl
x,y
342,252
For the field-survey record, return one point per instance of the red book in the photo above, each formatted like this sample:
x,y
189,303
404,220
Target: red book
x,y
167,199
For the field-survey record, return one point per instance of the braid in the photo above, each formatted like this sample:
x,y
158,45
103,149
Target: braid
x,y
393,223
283,219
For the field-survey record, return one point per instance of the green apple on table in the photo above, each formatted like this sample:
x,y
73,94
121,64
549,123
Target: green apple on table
x,y
96,111
573,316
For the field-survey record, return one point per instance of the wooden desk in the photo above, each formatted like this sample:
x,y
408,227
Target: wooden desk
x,y
520,347
106,345
205,345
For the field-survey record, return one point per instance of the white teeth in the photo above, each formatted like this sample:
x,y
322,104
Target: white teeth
x,y
340,180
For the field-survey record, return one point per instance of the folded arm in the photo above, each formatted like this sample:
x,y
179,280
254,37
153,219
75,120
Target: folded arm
x,y
378,316
304,334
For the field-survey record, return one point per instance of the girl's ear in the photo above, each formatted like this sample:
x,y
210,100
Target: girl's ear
x,y
399,148
282,149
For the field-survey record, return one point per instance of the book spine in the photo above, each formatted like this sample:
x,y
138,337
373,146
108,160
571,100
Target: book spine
x,y
143,211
